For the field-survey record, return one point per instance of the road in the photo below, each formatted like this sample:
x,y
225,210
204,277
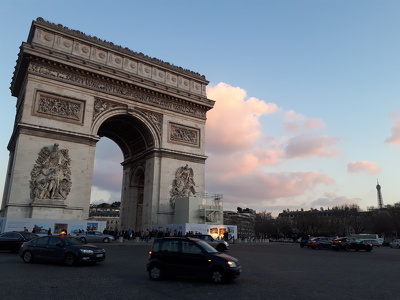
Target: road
x,y
270,271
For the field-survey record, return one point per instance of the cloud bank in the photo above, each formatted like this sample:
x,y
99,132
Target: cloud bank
x,y
240,151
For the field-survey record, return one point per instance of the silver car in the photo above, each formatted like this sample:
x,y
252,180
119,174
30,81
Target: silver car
x,y
395,244
220,245
94,237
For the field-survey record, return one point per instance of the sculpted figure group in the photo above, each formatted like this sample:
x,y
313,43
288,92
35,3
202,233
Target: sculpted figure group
x,y
50,177
183,185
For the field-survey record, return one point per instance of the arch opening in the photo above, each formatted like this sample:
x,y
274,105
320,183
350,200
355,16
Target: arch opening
x,y
135,141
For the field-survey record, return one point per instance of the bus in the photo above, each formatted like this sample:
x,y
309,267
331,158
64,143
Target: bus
x,y
369,236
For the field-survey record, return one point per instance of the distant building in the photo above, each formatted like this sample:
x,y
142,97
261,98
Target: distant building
x,y
287,214
244,221
106,212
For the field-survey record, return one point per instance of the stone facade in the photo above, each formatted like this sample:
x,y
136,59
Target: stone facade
x,y
73,89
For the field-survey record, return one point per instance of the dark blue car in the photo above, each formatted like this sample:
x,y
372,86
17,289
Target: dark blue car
x,y
66,249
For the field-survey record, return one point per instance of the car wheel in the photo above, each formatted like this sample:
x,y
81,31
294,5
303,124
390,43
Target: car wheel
x,y
70,259
106,240
218,276
369,249
27,257
321,247
347,248
155,272
83,239
220,248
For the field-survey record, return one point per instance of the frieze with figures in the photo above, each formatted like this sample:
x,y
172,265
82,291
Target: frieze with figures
x,y
119,90
183,134
55,106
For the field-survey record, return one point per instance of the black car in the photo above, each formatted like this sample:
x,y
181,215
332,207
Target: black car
x,y
65,249
319,243
348,243
304,240
14,239
190,257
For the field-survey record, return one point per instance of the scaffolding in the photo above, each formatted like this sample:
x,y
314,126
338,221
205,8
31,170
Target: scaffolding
x,y
211,209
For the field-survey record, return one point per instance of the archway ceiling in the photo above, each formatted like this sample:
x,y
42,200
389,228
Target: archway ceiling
x,y
130,134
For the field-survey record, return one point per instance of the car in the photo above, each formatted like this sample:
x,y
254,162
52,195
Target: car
x,y
395,243
304,240
374,243
190,257
319,243
94,236
348,243
220,245
62,248
13,240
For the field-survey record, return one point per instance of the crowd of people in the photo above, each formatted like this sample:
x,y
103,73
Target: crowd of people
x,y
145,235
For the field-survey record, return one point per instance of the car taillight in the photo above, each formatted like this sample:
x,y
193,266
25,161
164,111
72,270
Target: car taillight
x,y
313,241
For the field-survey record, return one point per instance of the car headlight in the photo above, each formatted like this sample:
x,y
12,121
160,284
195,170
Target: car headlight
x,y
86,251
231,264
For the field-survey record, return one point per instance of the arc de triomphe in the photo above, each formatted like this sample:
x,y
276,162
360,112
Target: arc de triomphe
x,y
72,89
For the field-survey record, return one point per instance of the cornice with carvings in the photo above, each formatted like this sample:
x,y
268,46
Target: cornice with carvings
x,y
121,49
127,91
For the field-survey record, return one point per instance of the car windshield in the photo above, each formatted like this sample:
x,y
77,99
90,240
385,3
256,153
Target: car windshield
x,y
206,247
28,235
72,241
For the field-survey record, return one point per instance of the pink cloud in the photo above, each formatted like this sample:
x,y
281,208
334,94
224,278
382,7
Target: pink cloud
x,y
314,124
258,187
294,122
395,137
233,124
363,167
308,145
331,200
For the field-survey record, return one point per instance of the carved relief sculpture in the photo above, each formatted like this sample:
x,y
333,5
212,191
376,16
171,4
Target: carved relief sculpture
x,y
51,175
184,135
59,107
183,185
101,106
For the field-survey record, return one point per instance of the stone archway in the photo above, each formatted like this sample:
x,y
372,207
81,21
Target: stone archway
x,y
71,90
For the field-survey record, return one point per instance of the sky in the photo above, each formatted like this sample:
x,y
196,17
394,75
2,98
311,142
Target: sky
x,y
307,111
